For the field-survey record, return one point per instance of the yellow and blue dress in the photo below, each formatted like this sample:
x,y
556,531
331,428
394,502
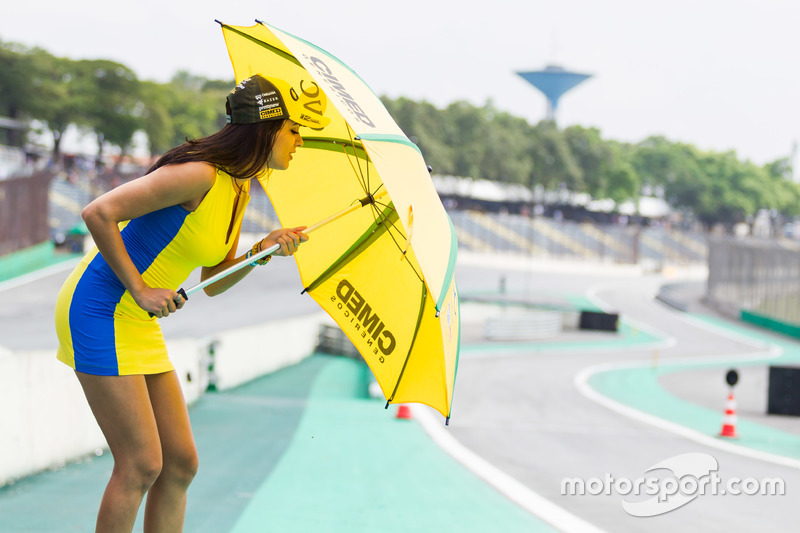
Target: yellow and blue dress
x,y
101,330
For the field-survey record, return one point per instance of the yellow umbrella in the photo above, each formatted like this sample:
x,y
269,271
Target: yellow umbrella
x,y
384,272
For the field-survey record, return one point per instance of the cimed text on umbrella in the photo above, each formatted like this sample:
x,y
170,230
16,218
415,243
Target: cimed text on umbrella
x,y
325,71
350,300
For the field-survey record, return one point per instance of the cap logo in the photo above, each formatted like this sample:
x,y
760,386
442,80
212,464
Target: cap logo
x,y
274,112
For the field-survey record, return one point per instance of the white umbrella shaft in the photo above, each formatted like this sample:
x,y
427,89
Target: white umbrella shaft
x,y
230,270
227,272
274,248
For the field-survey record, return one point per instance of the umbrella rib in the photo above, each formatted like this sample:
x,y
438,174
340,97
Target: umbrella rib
x,y
372,233
360,172
276,50
336,141
399,230
315,142
413,341
377,214
344,144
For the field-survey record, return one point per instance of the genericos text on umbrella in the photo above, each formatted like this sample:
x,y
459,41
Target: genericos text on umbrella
x,y
325,71
365,322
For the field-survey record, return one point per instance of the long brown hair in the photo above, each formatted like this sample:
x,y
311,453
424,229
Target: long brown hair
x,y
241,150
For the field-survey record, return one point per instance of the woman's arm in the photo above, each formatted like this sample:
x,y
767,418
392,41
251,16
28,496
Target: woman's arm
x,y
183,184
288,239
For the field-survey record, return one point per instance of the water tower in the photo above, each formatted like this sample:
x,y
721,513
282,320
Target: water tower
x,y
553,81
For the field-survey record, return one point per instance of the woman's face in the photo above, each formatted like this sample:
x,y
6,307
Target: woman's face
x,y
286,142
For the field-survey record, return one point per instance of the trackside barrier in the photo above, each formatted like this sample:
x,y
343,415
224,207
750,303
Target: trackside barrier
x,y
529,326
48,423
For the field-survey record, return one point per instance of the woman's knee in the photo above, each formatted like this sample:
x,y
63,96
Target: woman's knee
x,y
190,465
181,465
139,472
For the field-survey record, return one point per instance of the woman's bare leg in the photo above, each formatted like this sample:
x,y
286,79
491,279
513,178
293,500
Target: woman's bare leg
x,y
121,406
166,502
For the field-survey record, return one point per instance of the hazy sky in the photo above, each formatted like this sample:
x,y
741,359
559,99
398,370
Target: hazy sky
x,y
722,75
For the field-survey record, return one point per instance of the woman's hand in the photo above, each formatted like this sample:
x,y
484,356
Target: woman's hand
x,y
159,302
289,240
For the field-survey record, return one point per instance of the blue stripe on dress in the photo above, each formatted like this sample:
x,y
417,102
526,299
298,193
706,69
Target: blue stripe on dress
x,y
91,313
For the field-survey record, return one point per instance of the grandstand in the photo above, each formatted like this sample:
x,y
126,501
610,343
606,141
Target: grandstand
x,y
487,218
508,218
568,240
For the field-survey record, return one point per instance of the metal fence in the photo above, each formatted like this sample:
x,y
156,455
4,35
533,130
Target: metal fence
x,y
23,211
69,196
762,277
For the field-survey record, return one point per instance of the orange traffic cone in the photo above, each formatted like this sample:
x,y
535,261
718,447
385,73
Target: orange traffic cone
x,y
404,412
729,420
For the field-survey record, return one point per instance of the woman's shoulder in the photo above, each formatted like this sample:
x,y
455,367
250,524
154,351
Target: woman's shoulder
x,y
194,171
201,168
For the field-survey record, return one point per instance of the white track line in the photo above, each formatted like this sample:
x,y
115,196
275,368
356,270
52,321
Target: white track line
x,y
512,489
768,351
581,382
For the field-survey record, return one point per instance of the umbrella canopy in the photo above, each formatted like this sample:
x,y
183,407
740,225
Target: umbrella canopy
x,y
384,273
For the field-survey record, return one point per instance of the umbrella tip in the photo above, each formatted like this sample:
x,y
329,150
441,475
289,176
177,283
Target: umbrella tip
x,y
218,22
387,405
447,421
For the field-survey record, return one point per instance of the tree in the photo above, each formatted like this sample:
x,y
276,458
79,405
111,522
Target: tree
x,y
506,155
554,165
115,110
673,166
733,190
786,192
593,155
59,99
157,122
425,125
195,105
780,169
15,94
788,195
465,130
622,181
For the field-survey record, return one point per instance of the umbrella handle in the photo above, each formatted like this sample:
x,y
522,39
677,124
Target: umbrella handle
x,y
179,291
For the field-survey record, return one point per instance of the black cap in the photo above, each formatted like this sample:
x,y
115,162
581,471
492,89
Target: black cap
x,y
257,98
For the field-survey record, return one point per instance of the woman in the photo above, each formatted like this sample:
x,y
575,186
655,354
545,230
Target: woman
x,y
184,213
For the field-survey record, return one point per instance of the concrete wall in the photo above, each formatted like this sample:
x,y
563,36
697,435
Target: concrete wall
x,y
47,422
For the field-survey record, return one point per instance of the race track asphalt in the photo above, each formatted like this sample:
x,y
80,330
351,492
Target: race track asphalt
x,y
306,449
